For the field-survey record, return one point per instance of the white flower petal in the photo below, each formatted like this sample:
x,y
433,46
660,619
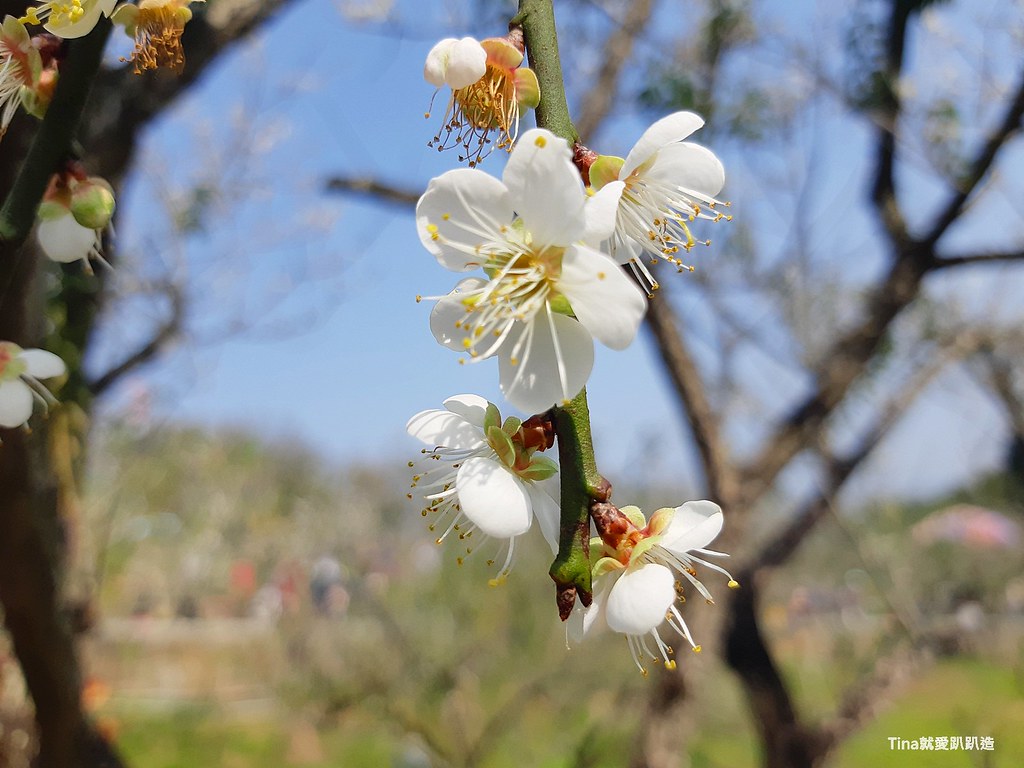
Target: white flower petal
x,y
462,211
574,629
15,403
694,525
41,364
550,369
545,510
445,429
546,189
600,212
689,166
437,62
472,408
493,498
641,596
594,619
447,318
668,130
65,240
85,24
627,250
605,300
467,63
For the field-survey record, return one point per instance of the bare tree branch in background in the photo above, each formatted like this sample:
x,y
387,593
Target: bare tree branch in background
x,y
788,740
374,189
165,334
617,51
993,257
33,539
719,474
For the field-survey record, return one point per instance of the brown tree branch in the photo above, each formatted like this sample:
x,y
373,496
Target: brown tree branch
x,y
991,257
168,331
373,188
32,539
883,191
1000,373
980,166
618,49
847,358
790,742
845,361
780,547
842,365
689,386
124,103
863,700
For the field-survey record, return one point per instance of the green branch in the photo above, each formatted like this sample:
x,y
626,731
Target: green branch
x,y
537,18
581,483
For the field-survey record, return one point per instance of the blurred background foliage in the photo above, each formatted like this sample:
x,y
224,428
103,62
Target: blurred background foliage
x,y
242,600
202,548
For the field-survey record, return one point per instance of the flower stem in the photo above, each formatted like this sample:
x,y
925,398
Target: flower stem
x,y
537,19
581,483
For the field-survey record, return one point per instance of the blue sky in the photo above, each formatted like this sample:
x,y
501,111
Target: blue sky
x,y
334,350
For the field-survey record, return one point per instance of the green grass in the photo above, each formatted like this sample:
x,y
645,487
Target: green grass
x,y
201,737
964,697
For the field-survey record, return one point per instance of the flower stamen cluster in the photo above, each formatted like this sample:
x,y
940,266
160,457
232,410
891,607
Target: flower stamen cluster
x,y
635,573
482,473
547,293
489,103
68,19
157,26
662,186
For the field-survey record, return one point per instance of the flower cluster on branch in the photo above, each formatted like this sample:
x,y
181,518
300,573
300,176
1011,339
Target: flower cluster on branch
x,y
558,252
76,211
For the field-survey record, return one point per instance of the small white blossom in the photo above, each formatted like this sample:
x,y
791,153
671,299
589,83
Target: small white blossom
x,y
547,293
20,65
20,371
662,186
477,475
635,578
64,240
455,63
68,18
489,91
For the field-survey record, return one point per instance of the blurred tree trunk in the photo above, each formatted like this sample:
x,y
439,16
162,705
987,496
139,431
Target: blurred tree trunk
x,y
38,496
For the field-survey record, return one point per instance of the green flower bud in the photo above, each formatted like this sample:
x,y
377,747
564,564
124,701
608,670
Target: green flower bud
x,y
92,203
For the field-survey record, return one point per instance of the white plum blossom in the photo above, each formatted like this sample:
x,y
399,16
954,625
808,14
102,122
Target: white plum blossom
x,y
455,63
64,240
636,588
20,68
546,292
157,27
72,218
68,18
489,91
477,474
20,371
662,185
